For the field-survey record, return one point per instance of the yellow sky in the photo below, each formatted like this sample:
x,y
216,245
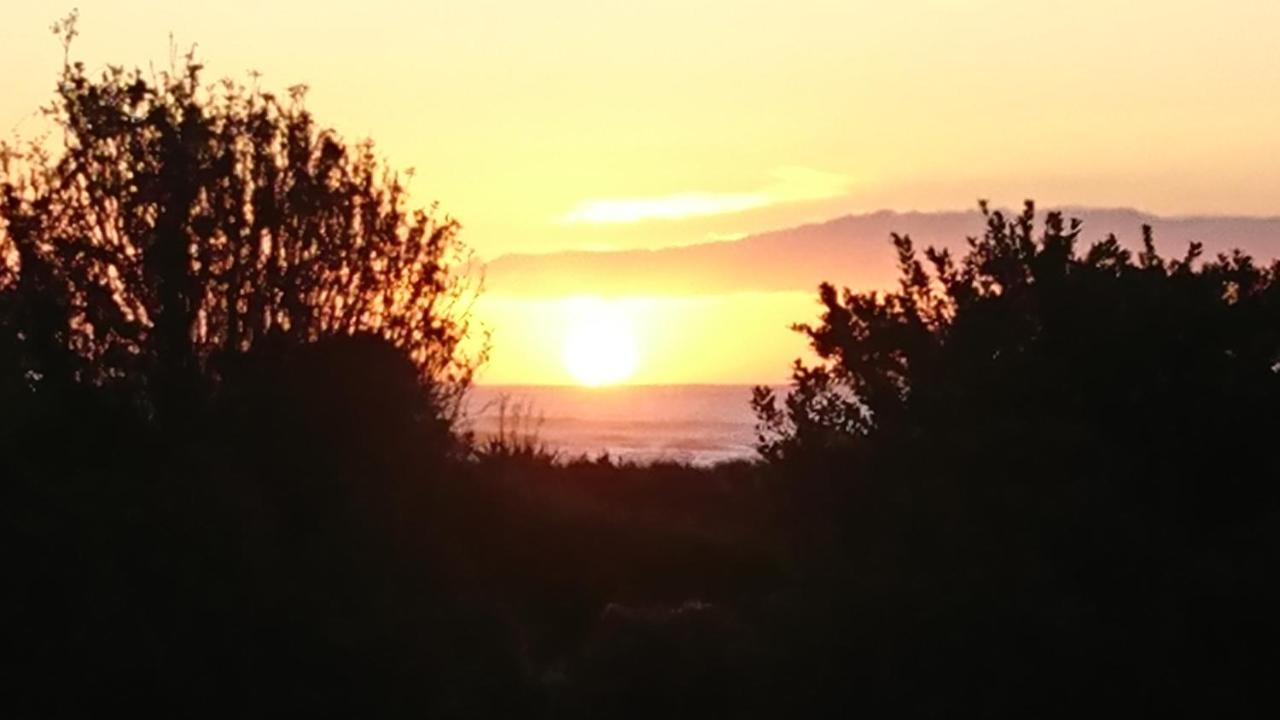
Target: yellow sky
x,y
620,124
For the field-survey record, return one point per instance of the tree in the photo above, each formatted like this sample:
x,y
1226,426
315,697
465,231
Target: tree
x,y
1038,476
229,365
178,223
1022,318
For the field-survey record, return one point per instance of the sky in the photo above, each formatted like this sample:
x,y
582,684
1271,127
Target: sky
x,y
612,125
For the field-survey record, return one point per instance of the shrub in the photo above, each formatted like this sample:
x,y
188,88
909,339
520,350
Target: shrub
x,y
179,221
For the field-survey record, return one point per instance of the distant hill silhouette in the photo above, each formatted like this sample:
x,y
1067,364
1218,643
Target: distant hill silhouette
x,y
853,250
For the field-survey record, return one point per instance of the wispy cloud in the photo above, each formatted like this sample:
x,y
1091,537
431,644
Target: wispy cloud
x,y
666,207
790,184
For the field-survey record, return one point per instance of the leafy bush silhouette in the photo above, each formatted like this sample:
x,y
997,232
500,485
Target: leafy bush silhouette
x,y
179,221
230,374
1047,473
1029,314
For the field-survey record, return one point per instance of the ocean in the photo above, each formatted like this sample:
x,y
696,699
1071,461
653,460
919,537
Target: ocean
x,y
698,424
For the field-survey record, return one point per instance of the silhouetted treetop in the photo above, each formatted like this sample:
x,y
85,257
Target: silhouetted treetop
x,y
168,221
1025,325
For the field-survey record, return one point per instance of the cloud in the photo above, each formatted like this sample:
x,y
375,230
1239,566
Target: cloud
x,y
667,207
790,185
726,236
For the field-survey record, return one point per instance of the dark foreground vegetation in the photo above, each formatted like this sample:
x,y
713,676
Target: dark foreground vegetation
x,y
1037,480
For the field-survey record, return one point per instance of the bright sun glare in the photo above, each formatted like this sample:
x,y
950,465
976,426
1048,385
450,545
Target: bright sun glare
x,y
600,343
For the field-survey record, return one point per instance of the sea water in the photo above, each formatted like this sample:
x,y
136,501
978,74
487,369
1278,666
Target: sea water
x,y
699,424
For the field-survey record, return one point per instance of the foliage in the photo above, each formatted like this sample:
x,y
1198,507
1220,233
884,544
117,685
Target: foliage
x,y
1043,477
516,439
1027,325
178,223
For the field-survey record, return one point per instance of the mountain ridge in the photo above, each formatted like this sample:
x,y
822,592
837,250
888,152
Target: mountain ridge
x,y
852,250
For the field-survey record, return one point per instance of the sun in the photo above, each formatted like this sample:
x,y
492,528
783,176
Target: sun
x,y
600,344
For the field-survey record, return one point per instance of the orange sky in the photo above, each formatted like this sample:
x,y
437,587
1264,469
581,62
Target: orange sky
x,y
610,124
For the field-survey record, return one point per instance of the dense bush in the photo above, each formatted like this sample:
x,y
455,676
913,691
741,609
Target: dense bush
x,y
1047,474
174,222
229,372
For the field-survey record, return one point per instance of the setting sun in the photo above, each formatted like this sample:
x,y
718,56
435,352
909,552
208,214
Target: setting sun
x,y
600,344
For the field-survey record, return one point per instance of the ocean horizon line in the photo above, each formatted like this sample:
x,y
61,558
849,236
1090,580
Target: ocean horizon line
x,y
623,386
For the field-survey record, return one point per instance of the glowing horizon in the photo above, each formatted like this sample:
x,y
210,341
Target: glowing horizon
x,y
583,124
722,339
